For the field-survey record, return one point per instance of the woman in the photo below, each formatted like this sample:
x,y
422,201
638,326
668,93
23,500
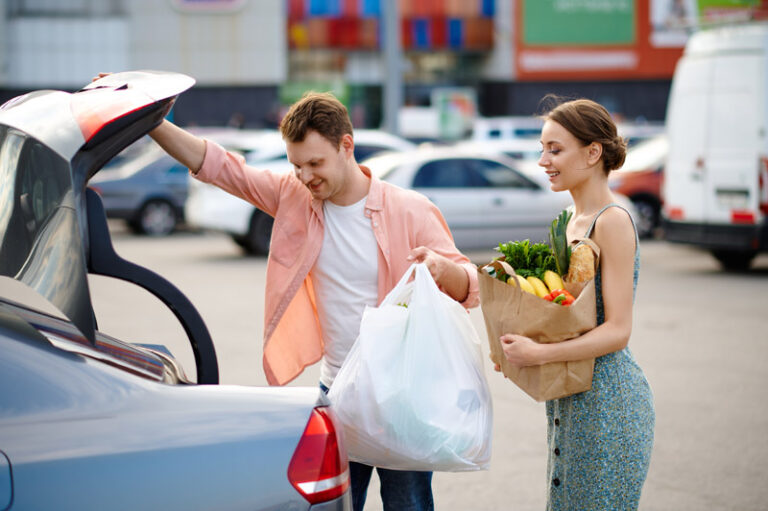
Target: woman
x,y
600,441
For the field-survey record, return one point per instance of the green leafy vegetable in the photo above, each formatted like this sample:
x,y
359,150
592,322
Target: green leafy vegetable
x,y
528,259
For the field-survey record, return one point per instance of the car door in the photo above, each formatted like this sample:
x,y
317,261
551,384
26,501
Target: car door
x,y
174,180
513,207
688,118
486,202
448,183
735,137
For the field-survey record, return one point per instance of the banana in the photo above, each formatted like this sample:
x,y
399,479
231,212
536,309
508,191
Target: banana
x,y
538,286
553,280
524,284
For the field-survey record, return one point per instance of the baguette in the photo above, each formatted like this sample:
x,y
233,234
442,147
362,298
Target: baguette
x,y
581,267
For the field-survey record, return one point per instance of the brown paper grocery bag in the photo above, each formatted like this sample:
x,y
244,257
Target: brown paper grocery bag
x,y
508,309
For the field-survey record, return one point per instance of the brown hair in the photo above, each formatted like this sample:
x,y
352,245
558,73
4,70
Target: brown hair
x,y
589,122
318,111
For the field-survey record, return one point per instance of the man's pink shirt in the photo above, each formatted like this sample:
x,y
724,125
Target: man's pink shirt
x,y
401,220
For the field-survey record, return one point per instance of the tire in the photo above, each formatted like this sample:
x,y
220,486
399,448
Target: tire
x,y
240,241
259,233
734,260
156,218
647,217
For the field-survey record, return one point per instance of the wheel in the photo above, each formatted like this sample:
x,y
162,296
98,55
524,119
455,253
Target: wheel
x,y
259,233
240,241
156,218
647,217
734,260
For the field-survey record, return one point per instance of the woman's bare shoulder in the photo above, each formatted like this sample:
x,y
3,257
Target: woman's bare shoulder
x,y
614,225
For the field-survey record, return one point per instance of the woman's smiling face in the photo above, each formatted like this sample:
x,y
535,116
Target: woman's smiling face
x,y
564,158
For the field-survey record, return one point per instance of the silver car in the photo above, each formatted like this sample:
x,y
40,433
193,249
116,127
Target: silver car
x,y
148,191
485,200
90,422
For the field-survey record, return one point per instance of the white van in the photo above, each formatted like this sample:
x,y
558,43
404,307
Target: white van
x,y
716,177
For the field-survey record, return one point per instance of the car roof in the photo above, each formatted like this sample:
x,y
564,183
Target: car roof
x,y
381,137
381,164
263,143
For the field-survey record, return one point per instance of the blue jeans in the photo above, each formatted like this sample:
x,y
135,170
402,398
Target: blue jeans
x,y
401,490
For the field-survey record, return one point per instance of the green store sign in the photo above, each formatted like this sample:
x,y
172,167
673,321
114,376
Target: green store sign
x,y
578,22
727,4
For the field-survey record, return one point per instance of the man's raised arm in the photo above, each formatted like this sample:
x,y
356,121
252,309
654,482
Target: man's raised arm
x,y
185,147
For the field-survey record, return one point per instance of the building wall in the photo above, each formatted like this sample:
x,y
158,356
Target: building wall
x,y
500,62
238,56
241,55
243,46
51,47
64,52
633,100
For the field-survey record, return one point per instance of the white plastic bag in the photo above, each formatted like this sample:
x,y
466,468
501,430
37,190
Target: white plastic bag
x,y
412,393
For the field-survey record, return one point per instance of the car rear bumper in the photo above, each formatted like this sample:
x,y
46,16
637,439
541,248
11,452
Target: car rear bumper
x,y
730,237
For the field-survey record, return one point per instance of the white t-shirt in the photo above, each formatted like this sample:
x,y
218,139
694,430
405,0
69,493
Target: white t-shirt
x,y
345,278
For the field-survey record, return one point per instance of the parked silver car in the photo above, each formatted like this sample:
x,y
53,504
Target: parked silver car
x,y
485,200
147,191
89,422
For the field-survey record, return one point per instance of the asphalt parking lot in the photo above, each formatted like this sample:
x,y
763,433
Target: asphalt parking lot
x,y
700,334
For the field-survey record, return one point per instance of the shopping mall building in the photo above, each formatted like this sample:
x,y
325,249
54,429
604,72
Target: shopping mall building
x,y
252,57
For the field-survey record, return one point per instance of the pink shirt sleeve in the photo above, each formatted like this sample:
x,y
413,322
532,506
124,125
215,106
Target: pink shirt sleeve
x,y
229,172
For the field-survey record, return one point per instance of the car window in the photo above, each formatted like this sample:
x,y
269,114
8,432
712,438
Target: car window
x,y
33,184
497,175
446,173
363,151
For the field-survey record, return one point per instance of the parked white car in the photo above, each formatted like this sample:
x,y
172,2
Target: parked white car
x,y
211,208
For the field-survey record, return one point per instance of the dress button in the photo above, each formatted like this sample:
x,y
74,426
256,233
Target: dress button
x,y
557,422
556,481
557,451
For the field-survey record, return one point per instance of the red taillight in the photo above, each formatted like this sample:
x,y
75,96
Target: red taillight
x,y
319,469
675,213
763,186
739,216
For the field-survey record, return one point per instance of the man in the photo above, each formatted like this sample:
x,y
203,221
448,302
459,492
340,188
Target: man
x,y
341,240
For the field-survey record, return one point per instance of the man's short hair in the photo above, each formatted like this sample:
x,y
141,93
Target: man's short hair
x,y
318,111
